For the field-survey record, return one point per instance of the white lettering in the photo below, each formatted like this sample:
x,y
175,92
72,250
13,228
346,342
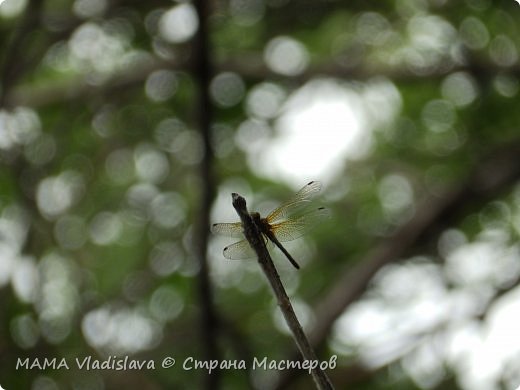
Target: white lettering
x,y
113,363
185,365
293,364
22,364
260,364
85,361
308,365
46,363
333,362
208,365
214,364
211,365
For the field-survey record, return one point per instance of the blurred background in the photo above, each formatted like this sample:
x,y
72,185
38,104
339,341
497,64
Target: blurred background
x,y
125,125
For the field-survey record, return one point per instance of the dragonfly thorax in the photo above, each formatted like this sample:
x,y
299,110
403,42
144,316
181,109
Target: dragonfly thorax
x,y
262,223
257,219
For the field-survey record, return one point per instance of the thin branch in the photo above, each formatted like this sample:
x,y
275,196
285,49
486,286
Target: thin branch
x,y
253,236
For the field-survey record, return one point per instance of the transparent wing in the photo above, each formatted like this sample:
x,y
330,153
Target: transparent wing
x,y
294,228
241,250
296,203
228,229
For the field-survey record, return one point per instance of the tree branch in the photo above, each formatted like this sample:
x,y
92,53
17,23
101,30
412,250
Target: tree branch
x,y
203,73
13,63
253,236
250,66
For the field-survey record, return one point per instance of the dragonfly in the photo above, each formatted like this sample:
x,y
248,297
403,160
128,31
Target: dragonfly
x,y
287,222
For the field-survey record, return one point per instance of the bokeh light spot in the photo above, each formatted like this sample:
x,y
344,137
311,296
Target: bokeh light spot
x,y
89,8
166,303
56,194
105,228
438,115
161,85
41,150
474,33
151,164
395,194
120,330
12,8
119,166
227,89
459,88
506,85
166,258
26,279
70,232
503,51
286,56
168,210
265,100
246,12
179,23
25,331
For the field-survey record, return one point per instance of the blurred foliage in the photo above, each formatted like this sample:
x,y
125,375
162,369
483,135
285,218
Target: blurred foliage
x,y
100,186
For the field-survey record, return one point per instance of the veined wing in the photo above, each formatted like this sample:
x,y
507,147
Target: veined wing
x,y
238,251
228,229
296,203
241,250
294,228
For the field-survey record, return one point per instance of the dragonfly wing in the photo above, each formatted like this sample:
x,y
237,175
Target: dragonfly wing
x,y
241,250
294,228
238,251
228,229
296,203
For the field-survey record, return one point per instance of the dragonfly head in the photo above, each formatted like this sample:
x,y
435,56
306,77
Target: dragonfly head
x,y
238,199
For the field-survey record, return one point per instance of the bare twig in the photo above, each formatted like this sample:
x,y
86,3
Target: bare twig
x,y
253,236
